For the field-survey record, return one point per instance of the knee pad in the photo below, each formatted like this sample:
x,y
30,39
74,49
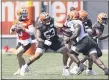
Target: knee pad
x,y
39,50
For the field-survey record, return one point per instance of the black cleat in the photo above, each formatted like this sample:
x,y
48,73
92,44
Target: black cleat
x,y
106,71
82,67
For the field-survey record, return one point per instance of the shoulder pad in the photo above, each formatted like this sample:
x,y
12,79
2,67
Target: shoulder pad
x,y
40,25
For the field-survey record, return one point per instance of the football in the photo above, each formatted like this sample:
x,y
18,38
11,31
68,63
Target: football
x,y
18,29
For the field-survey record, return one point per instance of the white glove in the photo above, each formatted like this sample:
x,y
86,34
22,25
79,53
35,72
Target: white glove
x,y
47,42
12,29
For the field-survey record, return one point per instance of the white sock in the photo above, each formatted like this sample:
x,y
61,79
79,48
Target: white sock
x,y
25,65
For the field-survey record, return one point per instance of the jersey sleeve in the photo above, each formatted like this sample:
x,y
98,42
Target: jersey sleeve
x,y
39,26
98,26
89,22
95,27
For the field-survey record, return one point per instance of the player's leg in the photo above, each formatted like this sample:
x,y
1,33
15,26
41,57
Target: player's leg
x,y
69,61
19,52
74,56
75,68
68,46
36,56
80,47
90,71
38,53
93,55
22,50
90,64
64,52
61,49
18,70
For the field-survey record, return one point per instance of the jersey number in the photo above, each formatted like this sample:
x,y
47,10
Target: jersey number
x,y
50,33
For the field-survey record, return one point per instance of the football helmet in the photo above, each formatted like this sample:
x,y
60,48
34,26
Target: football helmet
x,y
83,15
74,15
102,18
22,13
45,18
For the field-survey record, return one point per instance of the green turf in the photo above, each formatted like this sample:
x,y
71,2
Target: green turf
x,y
49,66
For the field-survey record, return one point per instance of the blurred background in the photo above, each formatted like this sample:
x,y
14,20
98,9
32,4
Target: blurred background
x,y
59,9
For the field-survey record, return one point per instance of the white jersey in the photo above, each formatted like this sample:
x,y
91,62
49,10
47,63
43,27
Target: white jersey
x,y
82,33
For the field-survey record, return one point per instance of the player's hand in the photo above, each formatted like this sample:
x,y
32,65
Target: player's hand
x,y
13,28
22,26
47,42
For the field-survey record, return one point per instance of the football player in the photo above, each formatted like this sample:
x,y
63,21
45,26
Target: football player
x,y
69,29
24,29
67,32
94,31
47,39
83,16
98,27
86,45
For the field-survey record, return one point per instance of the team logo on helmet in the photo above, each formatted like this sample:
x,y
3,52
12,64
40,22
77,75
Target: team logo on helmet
x,y
45,18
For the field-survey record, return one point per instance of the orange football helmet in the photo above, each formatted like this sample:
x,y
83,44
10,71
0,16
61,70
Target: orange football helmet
x,y
45,18
74,15
102,18
83,15
22,13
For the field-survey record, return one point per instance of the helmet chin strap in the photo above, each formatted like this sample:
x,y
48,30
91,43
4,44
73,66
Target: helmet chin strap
x,y
21,18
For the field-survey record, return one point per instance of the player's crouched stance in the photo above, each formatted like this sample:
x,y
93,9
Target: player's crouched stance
x,y
47,39
86,45
96,33
24,29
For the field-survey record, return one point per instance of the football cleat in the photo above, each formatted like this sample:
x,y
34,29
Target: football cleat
x,y
82,67
91,72
17,72
106,71
65,72
74,70
23,70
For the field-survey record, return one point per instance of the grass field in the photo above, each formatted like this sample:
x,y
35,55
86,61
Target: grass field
x,y
49,66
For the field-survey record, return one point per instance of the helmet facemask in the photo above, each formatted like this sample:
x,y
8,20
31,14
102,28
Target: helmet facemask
x,y
46,21
23,15
102,18
104,21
